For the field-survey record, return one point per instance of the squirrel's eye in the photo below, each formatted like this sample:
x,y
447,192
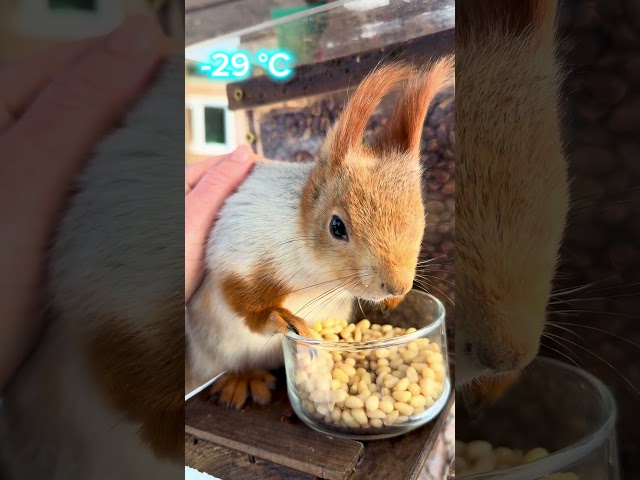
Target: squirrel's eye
x,y
338,229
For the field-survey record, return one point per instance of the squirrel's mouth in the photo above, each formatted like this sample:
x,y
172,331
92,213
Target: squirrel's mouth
x,y
376,298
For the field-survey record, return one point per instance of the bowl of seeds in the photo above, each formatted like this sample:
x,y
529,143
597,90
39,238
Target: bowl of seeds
x,y
371,379
557,422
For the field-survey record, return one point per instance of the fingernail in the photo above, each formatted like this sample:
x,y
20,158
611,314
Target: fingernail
x,y
240,155
134,37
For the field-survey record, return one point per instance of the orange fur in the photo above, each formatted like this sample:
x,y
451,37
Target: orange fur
x,y
393,302
376,189
403,131
384,223
283,320
511,174
233,389
347,133
143,379
258,299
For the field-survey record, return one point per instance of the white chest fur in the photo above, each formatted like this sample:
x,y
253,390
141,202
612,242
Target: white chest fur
x,y
320,303
219,339
258,224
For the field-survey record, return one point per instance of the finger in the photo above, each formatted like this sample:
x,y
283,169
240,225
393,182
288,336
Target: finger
x,y
77,107
195,172
201,207
21,80
206,199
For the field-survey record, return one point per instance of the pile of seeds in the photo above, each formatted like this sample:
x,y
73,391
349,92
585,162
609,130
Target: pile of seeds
x,y
481,457
372,388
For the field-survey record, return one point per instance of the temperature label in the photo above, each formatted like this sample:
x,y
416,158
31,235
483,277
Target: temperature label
x,y
279,65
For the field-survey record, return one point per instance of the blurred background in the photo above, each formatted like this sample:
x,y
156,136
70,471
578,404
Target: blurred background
x,y
30,26
594,315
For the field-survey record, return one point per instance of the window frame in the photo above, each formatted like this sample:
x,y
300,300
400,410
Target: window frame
x,y
198,144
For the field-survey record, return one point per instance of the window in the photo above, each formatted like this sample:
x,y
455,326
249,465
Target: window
x,y
84,5
214,127
210,125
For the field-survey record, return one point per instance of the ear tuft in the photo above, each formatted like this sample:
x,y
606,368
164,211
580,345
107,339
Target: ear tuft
x,y
404,128
348,132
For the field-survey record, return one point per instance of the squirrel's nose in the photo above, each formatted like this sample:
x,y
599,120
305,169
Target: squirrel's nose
x,y
394,289
505,359
396,281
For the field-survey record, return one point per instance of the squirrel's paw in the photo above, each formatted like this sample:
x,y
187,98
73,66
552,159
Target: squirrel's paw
x,y
233,389
284,321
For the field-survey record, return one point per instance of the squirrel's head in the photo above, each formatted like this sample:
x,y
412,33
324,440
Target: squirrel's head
x,y
363,202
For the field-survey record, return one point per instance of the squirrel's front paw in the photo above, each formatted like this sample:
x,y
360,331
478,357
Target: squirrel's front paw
x,y
284,321
233,389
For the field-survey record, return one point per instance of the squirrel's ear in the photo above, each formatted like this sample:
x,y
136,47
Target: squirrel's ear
x,y
348,132
403,130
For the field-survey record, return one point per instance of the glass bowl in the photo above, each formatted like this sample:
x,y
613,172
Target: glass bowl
x,y
558,407
378,388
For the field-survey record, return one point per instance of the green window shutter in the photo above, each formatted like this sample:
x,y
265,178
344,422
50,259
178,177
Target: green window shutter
x,y
214,125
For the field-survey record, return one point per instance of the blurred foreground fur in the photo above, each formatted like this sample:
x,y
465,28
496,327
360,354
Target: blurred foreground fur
x,y
512,197
102,395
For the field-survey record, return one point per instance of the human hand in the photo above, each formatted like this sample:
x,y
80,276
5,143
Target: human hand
x,y
207,186
54,108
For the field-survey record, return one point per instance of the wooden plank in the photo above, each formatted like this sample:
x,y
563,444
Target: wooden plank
x,y
270,439
401,457
228,464
437,428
